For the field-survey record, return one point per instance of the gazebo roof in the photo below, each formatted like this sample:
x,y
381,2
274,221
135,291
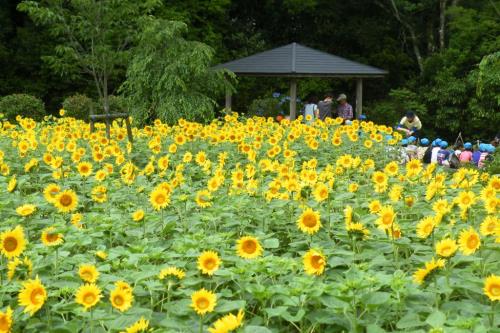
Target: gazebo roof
x,y
295,60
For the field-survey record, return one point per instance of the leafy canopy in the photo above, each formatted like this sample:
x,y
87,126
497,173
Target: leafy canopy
x,y
170,77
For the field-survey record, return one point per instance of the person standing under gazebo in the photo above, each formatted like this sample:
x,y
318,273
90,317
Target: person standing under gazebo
x,y
344,110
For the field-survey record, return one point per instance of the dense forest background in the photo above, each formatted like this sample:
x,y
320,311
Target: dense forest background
x,y
443,56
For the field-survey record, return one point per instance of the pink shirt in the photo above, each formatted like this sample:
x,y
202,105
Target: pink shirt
x,y
465,156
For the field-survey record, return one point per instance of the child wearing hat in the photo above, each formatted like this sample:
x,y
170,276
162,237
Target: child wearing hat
x,y
466,155
421,150
435,150
443,154
412,148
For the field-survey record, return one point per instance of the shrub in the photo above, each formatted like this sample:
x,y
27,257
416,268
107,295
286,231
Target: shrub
x,y
272,106
79,106
117,104
22,104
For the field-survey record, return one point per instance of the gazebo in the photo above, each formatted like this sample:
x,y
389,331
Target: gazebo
x,y
296,61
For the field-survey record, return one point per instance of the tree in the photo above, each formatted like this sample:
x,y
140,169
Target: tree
x,y
94,36
170,77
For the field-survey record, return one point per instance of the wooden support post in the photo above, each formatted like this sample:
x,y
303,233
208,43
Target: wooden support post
x,y
129,130
293,99
359,97
228,101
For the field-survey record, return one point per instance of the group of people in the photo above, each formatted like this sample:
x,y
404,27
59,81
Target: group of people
x,y
438,152
323,109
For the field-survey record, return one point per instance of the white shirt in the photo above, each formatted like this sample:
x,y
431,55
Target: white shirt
x,y
434,155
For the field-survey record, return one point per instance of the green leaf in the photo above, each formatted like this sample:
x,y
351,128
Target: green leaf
x,y
256,329
227,306
436,319
410,320
276,312
271,243
373,328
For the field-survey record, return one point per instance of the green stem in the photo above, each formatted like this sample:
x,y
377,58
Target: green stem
x,y
91,321
201,324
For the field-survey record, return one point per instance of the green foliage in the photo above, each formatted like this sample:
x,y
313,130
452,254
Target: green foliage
x,y
493,165
170,77
23,105
488,80
391,110
79,106
94,36
265,107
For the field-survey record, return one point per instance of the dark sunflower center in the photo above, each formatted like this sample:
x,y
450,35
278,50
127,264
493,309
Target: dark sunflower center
x,y
10,244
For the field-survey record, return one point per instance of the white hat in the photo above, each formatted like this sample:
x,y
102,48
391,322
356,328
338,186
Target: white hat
x,y
341,97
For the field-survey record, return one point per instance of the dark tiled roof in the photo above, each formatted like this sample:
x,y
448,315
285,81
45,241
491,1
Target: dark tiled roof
x,y
298,60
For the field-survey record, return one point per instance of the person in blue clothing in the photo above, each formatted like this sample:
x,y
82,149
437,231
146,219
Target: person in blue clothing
x,y
443,154
477,154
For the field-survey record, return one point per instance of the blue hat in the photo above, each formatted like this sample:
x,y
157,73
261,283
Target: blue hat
x,y
491,149
468,145
482,147
438,141
443,144
412,139
404,142
424,142
388,137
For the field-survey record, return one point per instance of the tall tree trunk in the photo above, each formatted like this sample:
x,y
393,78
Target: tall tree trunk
x,y
442,23
413,36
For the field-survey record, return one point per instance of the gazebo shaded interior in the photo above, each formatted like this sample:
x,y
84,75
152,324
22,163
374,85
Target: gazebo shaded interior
x,y
296,61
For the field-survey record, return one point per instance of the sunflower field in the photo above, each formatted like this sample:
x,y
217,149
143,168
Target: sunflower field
x,y
241,225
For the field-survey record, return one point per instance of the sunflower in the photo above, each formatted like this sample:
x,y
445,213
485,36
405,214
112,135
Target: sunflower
x,y
491,205
375,206
380,178
6,320
228,323
138,215
353,187
386,218
122,285
309,222
208,262
101,255
320,192
391,168
76,220
16,265
50,192
139,326
248,247
11,186
314,262
84,169
203,198
159,198
203,301
348,215
121,299
12,242
426,226
88,273
32,296
171,271
492,287
357,230
469,241
66,201
420,275
26,210
489,225
99,194
88,295
51,238
465,199
446,247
